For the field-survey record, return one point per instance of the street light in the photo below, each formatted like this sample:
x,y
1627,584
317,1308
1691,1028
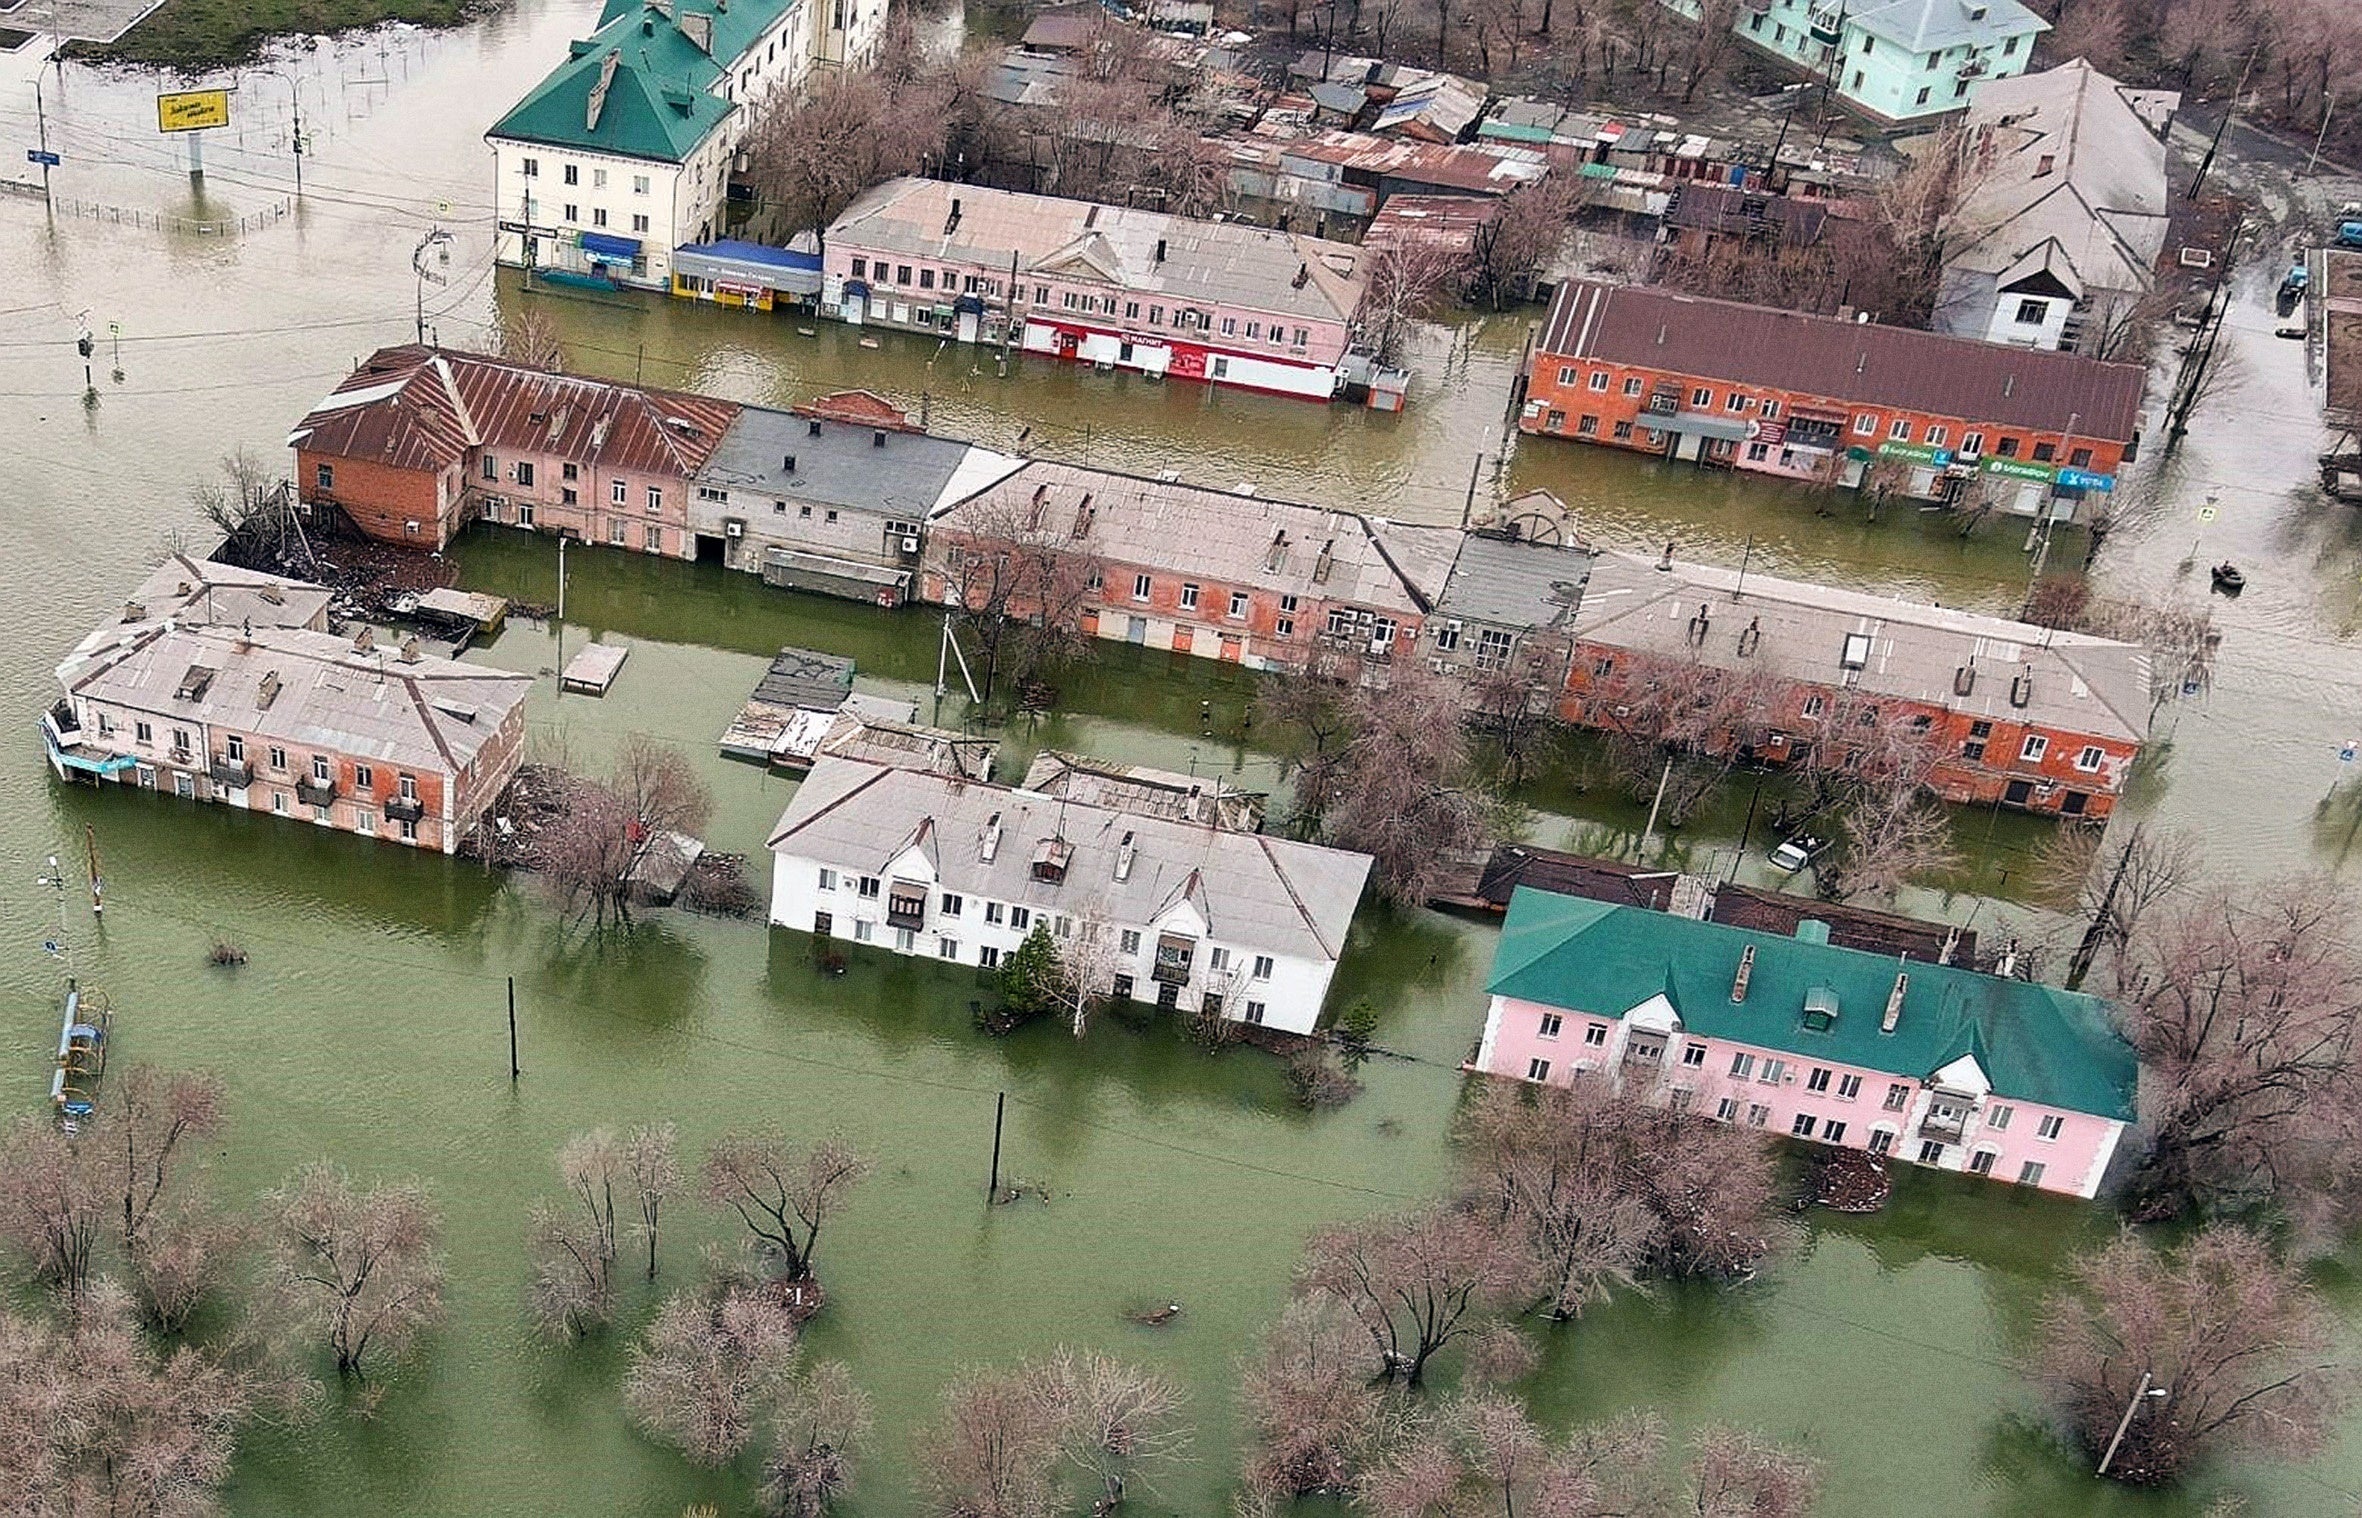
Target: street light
x,y
2143,1392
437,237
295,102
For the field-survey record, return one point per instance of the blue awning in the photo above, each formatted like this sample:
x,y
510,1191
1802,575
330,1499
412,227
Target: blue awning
x,y
857,289
751,265
968,303
607,245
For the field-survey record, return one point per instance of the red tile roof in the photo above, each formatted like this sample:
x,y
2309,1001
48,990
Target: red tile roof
x,y
421,408
1863,363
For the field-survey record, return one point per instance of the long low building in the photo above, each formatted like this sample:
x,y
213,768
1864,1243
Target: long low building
x,y
2029,716
1918,1062
1824,399
1111,286
287,718
1185,914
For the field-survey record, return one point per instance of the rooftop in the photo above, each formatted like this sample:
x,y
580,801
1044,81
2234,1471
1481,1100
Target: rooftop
x,y
419,408
192,590
906,475
1930,26
1217,262
1889,934
644,84
2070,682
2034,1042
799,677
1227,537
1140,789
1860,363
1271,893
305,687
1515,583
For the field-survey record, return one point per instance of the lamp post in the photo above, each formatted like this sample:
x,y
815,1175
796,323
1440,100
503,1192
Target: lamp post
x,y
2140,1394
295,103
434,238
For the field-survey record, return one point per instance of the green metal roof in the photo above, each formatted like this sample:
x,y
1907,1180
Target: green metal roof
x,y
2035,1043
664,98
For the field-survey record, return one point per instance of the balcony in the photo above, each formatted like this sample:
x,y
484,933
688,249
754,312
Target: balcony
x,y
1173,956
1946,1122
405,808
1645,1050
313,791
232,774
906,908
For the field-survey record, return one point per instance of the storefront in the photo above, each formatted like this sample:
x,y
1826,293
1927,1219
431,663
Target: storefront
x,y
732,273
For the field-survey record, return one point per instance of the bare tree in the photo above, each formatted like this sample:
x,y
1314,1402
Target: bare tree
x,y
817,1423
1404,284
813,151
784,1195
1869,764
994,1453
1086,966
588,855
2214,1347
1405,792
2111,889
1117,1423
1678,726
572,1243
651,1155
1316,710
1019,583
529,337
2243,1006
1006,1435
1738,1474
1415,1282
356,1268
1313,1401
1710,44
712,1360
54,1209
1481,1454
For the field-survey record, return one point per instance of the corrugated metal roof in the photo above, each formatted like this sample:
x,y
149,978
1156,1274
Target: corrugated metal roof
x,y
1513,583
1861,362
200,590
427,408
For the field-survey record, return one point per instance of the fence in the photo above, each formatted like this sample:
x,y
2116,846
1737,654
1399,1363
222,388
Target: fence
x,y
159,221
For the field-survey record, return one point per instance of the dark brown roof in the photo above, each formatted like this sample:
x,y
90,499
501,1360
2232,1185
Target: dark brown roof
x,y
1849,927
1860,363
861,408
422,408
1513,865
1724,211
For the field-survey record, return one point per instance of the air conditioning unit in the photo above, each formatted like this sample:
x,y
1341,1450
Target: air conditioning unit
x,y
733,529
910,545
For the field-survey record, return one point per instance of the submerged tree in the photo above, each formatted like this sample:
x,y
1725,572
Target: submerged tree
x,y
1415,1282
572,1242
1007,1436
1405,791
784,1195
357,1269
174,1246
652,1156
714,1357
588,855
2213,1347
817,1424
1315,1402
54,1210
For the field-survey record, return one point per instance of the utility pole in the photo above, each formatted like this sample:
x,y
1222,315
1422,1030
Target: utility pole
x,y
435,238
512,1030
992,1187
2328,108
2229,108
2125,1422
41,116
1468,510
98,895
2089,948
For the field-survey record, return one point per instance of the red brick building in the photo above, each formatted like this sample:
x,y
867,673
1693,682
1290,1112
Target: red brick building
x,y
419,440
1215,573
2027,716
1820,398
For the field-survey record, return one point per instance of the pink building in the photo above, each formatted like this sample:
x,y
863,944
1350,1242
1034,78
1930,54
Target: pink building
x,y
1110,286
1920,1062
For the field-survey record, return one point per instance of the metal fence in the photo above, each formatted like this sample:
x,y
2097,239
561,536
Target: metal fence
x,y
159,221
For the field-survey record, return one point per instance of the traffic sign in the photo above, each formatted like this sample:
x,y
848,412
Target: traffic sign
x,y
47,160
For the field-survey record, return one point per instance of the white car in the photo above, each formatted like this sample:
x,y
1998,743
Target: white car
x,y
1795,853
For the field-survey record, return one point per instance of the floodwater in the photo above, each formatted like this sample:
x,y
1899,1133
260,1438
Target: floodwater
x,y
368,1026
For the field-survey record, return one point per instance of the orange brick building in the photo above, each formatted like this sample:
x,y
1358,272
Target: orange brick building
x,y
2026,716
1820,398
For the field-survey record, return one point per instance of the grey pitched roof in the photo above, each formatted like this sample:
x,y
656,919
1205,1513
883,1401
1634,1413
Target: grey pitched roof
x,y
839,464
1272,893
1142,788
429,713
1515,583
798,677
191,589
2080,684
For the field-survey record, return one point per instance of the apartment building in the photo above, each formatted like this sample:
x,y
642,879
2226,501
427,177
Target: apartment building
x,y
1894,61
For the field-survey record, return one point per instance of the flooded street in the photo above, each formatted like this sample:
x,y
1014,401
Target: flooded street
x,y
368,1025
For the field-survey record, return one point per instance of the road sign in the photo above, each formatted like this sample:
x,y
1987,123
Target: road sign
x,y
192,110
442,208
47,160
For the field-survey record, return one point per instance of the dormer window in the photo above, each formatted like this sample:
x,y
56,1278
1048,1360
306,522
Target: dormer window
x,y
1050,859
1857,651
1820,1009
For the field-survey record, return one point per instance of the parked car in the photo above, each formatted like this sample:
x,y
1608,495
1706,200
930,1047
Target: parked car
x,y
2349,234
1795,852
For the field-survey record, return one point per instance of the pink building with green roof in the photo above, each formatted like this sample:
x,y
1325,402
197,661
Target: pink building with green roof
x,y
1921,1062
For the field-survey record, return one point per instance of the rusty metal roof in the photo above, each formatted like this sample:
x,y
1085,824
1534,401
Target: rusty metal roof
x,y
1861,363
412,407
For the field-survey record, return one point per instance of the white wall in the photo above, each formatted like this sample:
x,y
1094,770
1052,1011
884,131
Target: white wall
x,y
551,194
1291,996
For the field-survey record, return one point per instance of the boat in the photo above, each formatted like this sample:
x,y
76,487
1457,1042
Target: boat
x,y
1797,852
2228,579
81,1057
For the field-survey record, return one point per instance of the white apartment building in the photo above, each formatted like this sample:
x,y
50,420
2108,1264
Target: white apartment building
x,y
1179,913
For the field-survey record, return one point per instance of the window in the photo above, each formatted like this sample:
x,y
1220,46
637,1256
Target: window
x,y
1972,442
1921,98
1188,597
1551,1024
863,930
1537,1069
364,821
992,913
1936,436
569,496
2045,452
1238,603
869,888
1900,431
618,531
598,179
1848,1087
1285,628
1587,427
491,467
278,798
237,752
1898,1096
2030,1173
1818,1081
1632,385
530,168
1599,379
619,493
2080,458
902,277
1882,1140
828,879
1221,368
1833,1133
325,476
1742,1065
952,904
1130,941
1217,958
1865,425
1774,1072
1020,918
570,173
1255,1016
1702,398
1814,705
926,279
278,754
572,212
1736,402
653,538
906,941
2048,1129
525,474
320,770
1622,432
1141,585
1981,1162
1726,1110
1757,1114
947,948
1595,1035
2090,758
1262,967
639,222
987,957
1803,1126
655,499
1931,1152
2035,747
1693,1054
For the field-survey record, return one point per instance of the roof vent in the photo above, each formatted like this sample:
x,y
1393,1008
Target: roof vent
x,y
1303,276
135,611
815,429
1050,859
1750,636
1160,250
1820,1009
1124,855
1738,982
1698,625
267,691
2021,689
1665,562
1964,679
457,711
409,653
270,593
1894,1003
951,223
364,640
990,843
1324,562
192,683
787,465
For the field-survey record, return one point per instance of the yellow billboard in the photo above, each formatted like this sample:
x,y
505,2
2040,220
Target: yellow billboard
x,y
192,110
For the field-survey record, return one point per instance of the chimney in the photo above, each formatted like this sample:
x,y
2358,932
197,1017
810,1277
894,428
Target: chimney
x,y
788,464
815,430
1279,551
877,439
364,640
2021,689
1303,276
1738,982
267,691
951,223
1160,250
409,652
134,611
1124,855
991,843
1894,1003
1323,562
